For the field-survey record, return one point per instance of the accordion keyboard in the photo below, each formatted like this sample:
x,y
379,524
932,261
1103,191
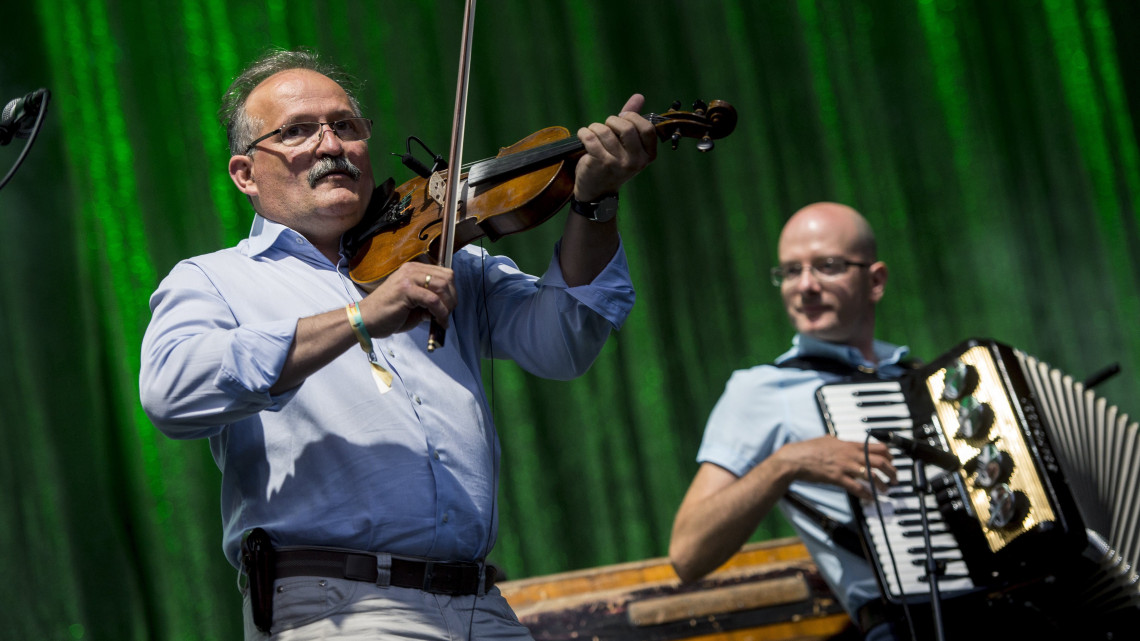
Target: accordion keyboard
x,y
896,540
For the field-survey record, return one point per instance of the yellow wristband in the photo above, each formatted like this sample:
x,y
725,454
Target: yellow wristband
x,y
358,328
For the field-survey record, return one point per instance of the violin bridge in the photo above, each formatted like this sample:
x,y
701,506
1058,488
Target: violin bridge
x,y
437,191
437,187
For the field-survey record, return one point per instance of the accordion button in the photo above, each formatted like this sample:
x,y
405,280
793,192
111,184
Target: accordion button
x,y
1008,507
959,381
994,466
974,418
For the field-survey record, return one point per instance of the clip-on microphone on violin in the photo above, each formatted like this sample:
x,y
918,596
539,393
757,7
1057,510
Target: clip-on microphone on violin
x,y
411,162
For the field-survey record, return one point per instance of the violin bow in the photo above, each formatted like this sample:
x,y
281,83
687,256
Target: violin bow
x,y
454,163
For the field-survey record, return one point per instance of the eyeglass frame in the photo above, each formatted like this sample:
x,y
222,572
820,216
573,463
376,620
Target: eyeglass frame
x,y
778,277
320,131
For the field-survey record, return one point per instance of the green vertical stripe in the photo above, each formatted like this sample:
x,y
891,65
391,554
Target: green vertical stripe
x,y
1102,127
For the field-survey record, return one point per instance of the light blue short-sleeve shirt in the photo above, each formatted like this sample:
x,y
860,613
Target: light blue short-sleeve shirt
x,y
766,407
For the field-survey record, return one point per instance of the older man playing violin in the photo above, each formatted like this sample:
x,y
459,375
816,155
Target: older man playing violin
x,y
359,471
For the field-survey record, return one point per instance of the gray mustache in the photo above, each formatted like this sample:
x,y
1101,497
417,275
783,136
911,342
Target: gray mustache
x,y
332,165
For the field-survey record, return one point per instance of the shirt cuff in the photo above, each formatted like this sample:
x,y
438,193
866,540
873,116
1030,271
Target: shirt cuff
x,y
611,292
255,360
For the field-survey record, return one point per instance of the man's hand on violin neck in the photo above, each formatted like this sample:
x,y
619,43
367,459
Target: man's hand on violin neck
x,y
410,295
616,151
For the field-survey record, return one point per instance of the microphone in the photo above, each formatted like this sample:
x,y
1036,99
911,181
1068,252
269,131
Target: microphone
x,y
411,162
918,450
19,116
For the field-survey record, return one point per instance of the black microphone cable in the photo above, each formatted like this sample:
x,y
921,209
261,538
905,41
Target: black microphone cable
x,y
494,434
886,540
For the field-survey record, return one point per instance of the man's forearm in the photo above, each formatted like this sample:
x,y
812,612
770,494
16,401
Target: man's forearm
x,y
587,247
710,529
319,339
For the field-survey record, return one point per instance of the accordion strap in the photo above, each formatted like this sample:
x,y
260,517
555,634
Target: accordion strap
x,y
841,368
842,534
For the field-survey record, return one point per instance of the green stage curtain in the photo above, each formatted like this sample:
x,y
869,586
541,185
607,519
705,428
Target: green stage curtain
x,y
992,144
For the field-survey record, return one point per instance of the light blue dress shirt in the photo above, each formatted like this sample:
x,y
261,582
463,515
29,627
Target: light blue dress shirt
x,y
765,407
333,462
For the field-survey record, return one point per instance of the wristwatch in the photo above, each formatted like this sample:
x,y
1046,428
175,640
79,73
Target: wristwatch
x,y
601,211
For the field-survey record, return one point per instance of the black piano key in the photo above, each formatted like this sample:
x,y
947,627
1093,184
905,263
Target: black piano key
x,y
934,548
945,577
877,403
916,533
883,419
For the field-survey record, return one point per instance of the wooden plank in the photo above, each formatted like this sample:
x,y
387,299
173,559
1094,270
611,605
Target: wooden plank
x,y
537,589
769,591
678,607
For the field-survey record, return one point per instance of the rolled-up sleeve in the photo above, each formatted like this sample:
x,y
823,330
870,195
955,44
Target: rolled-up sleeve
x,y
200,370
550,329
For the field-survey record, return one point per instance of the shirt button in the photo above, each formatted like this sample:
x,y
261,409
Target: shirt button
x,y
435,454
445,517
391,353
417,399
300,241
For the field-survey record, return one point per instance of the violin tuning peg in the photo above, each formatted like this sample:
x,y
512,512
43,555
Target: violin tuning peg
x,y
699,106
705,144
675,138
676,105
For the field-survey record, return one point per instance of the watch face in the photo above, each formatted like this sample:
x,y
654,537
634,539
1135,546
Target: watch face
x,y
602,211
607,209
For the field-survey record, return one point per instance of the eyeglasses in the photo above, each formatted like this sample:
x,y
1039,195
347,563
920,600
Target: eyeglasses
x,y
298,133
824,269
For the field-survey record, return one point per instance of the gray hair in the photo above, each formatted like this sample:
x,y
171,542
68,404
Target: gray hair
x,y
241,128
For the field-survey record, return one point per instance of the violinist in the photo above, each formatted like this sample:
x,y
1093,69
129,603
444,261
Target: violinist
x,y
359,470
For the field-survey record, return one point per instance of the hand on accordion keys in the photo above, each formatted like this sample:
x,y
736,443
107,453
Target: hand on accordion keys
x,y
837,462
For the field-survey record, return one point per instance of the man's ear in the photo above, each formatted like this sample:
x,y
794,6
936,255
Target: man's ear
x,y
241,172
879,274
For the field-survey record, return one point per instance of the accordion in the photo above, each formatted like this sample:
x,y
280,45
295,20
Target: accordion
x,y
1045,505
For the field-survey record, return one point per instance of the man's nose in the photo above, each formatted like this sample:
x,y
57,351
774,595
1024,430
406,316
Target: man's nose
x,y
807,280
331,144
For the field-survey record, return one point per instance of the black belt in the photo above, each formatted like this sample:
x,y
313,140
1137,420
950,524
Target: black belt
x,y
430,576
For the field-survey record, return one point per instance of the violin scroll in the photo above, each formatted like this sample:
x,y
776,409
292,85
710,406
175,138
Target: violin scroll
x,y
706,122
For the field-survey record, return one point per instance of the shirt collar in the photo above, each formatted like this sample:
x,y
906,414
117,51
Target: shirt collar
x,y
886,354
265,234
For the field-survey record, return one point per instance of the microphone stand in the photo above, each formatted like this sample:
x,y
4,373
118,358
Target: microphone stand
x,y
922,486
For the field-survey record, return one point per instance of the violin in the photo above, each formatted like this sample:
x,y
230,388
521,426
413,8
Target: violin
x,y
519,189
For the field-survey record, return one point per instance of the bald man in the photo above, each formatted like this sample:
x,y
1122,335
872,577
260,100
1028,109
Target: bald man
x,y
765,436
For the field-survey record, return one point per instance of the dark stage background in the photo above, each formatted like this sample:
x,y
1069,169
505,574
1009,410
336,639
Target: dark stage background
x,y
992,144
